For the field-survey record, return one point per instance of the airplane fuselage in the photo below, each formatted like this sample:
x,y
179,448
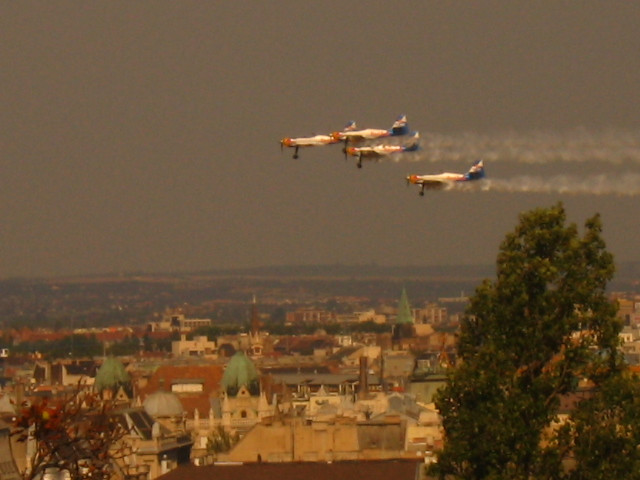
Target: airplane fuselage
x,y
314,141
375,150
447,179
357,135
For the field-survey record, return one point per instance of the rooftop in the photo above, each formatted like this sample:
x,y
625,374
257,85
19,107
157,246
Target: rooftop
x,y
371,470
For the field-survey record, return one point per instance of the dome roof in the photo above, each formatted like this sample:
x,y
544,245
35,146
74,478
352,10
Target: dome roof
x,y
163,404
111,374
240,372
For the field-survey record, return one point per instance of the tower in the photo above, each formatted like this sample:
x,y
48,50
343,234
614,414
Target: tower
x,y
403,327
255,319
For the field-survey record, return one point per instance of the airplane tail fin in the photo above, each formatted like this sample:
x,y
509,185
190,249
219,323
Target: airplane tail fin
x,y
350,127
400,126
415,144
412,148
476,172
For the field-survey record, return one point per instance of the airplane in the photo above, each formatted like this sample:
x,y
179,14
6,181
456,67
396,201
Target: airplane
x,y
350,134
314,141
447,180
382,150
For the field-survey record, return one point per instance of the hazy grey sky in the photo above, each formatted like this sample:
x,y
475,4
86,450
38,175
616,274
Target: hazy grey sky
x,y
143,136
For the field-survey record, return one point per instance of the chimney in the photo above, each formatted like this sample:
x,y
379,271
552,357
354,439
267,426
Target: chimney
x,y
364,387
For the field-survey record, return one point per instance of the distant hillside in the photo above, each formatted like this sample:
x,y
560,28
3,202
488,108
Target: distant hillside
x,y
104,300
360,271
627,276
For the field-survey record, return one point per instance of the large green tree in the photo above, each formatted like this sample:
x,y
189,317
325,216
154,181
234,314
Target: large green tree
x,y
543,330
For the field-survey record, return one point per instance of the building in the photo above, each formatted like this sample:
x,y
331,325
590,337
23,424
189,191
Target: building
x,y
176,321
242,404
432,314
309,315
370,316
200,346
371,470
195,384
8,468
71,373
113,381
153,449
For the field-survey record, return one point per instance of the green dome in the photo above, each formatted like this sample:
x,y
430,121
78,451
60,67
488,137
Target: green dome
x,y
240,372
111,375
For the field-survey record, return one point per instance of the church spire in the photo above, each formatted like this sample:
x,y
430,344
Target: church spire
x,y
255,319
404,310
403,327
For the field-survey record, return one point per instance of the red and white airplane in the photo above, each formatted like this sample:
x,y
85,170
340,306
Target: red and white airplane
x,y
375,152
350,133
447,180
315,141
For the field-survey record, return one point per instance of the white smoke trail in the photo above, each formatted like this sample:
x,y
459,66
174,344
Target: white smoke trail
x,y
619,184
613,146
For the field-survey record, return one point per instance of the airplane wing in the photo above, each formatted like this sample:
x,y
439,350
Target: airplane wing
x,y
430,182
374,153
435,184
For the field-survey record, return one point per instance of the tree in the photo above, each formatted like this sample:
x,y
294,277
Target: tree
x,y
540,331
77,433
604,434
74,346
221,441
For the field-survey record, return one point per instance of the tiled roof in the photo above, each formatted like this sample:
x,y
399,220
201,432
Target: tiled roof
x,y
167,375
305,344
322,378
370,470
